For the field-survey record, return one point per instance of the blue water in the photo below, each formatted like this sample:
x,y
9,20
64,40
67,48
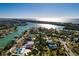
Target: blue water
x,y
20,29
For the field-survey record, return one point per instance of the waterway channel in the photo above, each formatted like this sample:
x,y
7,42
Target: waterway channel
x,y
19,31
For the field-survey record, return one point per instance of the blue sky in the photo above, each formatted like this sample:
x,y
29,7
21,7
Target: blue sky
x,y
39,10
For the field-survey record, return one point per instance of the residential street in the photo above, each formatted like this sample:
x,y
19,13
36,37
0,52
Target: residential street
x,y
66,48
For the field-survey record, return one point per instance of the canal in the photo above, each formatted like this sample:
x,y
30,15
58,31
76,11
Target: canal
x,y
19,31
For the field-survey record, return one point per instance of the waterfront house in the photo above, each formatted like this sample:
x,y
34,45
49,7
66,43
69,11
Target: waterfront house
x,y
29,44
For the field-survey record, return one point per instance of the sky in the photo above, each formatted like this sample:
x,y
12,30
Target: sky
x,y
23,10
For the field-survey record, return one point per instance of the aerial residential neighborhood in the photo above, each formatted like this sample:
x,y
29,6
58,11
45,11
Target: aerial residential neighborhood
x,y
39,29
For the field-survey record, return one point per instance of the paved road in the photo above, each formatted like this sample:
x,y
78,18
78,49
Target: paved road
x,y
67,49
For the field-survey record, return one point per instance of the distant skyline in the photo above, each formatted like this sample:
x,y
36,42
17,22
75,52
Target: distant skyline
x,y
24,10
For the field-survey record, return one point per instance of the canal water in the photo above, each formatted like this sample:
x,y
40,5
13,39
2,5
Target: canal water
x,y
20,29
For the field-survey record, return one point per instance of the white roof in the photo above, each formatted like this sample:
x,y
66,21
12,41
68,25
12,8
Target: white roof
x,y
23,49
49,41
30,42
27,51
